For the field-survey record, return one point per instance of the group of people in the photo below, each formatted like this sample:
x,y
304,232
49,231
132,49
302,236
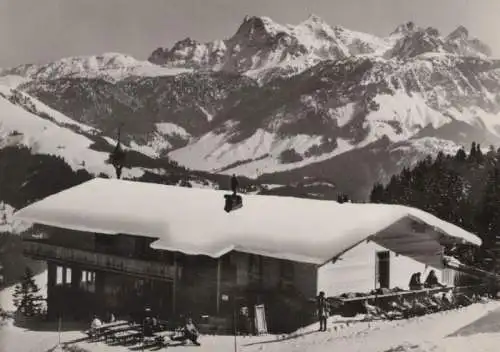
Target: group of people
x,y
150,324
186,332
323,307
430,282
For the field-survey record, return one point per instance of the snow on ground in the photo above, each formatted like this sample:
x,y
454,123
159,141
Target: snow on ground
x,y
8,223
20,127
424,334
382,336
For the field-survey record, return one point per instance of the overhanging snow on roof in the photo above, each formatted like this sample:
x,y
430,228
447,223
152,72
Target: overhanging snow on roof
x,y
193,221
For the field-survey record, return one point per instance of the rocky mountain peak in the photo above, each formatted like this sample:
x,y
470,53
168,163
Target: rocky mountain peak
x,y
405,28
255,27
315,20
460,33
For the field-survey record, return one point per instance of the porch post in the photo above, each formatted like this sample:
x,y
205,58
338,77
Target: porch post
x,y
174,285
218,284
52,309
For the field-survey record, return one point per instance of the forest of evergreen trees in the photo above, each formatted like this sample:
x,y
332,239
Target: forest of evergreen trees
x,y
463,189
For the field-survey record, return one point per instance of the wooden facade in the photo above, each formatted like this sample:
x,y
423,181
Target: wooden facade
x,y
122,274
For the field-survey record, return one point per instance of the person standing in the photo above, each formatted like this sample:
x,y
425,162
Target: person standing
x,y
322,308
234,184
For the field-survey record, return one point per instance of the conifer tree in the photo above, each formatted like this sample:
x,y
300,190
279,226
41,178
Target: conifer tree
x,y
463,189
27,298
489,212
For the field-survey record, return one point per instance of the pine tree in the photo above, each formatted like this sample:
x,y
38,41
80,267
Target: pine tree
x,y
461,155
473,151
463,189
378,193
479,154
26,297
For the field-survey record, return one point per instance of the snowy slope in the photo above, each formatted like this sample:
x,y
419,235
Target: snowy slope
x,y
21,127
164,134
109,66
258,154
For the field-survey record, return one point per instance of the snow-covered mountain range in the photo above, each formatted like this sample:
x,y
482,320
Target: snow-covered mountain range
x,y
262,48
284,102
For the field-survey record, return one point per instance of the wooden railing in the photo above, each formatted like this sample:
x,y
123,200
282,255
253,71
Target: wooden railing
x,y
107,262
422,292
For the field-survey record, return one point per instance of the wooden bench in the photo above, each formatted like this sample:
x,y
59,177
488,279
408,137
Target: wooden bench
x,y
111,334
125,337
97,332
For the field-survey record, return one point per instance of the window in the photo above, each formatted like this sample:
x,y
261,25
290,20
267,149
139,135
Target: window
x,y
63,276
87,282
67,276
59,276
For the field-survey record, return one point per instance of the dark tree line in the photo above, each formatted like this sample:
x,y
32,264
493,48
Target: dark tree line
x,y
24,179
463,189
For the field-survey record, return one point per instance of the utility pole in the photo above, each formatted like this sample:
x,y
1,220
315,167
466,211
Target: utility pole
x,y
59,331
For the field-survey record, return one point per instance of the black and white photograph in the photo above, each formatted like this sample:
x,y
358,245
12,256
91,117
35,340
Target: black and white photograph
x,y
249,175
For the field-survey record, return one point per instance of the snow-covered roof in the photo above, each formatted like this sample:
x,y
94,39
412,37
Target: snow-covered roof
x,y
193,221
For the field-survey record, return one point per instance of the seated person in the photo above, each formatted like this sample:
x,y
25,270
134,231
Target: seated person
x,y
415,283
96,323
150,324
188,332
432,280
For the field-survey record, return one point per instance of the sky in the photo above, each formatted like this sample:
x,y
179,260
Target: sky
x,y
39,31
